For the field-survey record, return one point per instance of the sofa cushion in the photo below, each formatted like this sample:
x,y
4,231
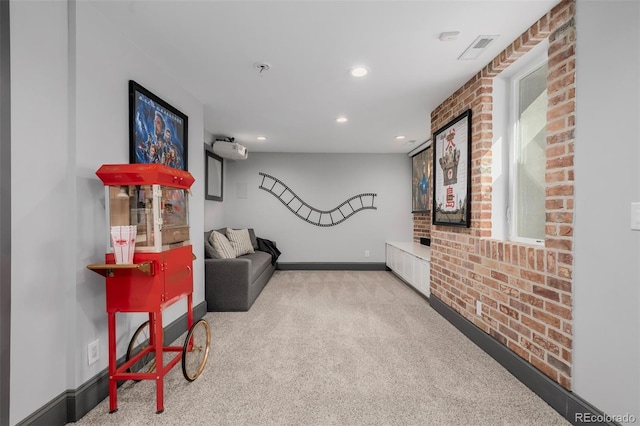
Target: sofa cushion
x,y
240,241
221,245
260,261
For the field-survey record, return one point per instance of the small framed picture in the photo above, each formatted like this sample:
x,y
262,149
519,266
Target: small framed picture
x,y
214,176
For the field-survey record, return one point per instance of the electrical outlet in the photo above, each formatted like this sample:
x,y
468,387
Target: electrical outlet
x,y
478,307
366,253
93,351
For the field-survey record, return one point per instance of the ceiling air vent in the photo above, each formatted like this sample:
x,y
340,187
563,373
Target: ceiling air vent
x,y
477,47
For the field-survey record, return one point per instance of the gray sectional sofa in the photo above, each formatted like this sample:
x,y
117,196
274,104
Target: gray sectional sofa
x,y
235,284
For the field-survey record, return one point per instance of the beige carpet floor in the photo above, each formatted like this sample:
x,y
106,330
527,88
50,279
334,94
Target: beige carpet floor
x,y
335,348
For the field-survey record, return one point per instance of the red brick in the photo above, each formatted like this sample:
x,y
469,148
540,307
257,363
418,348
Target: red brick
x,y
531,347
519,350
509,311
560,338
545,344
551,372
546,293
546,318
532,300
522,307
560,365
533,324
558,310
559,284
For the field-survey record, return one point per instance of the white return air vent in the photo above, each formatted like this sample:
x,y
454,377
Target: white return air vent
x,y
477,47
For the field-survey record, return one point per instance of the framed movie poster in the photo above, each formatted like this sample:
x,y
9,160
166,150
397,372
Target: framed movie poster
x,y
421,165
452,172
157,131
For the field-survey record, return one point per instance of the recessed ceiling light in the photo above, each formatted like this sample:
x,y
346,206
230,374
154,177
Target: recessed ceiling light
x,y
400,137
359,71
261,138
342,119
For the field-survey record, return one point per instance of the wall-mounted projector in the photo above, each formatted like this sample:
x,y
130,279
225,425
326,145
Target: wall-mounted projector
x,y
227,148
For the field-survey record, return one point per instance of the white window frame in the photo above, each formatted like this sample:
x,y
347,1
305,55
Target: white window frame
x,y
532,64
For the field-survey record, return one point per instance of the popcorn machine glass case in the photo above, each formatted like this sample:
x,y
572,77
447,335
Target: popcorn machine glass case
x,y
152,198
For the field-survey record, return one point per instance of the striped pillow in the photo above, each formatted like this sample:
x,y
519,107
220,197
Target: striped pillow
x,y
222,246
240,240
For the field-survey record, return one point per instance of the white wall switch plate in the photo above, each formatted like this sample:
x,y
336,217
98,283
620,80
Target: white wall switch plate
x,y
93,351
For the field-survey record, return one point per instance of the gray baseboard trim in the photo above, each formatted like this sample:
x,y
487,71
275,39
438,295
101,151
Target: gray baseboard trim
x,y
332,266
566,403
71,405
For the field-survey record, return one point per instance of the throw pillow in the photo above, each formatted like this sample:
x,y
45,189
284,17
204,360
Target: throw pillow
x,y
222,246
240,240
209,252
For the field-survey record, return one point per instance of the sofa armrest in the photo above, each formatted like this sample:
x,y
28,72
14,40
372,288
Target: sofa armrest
x,y
226,270
226,283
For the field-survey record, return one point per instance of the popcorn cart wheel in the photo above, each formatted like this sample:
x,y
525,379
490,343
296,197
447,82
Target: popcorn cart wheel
x,y
195,350
139,342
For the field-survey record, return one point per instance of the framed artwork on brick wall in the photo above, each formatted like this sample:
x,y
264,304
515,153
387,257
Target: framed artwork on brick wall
x,y
421,165
452,172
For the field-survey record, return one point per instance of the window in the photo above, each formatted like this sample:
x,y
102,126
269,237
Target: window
x,y
527,162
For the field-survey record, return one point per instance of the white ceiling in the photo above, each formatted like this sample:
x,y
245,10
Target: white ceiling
x,y
211,48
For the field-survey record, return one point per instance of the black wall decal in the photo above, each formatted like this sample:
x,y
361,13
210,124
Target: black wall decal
x,y
310,214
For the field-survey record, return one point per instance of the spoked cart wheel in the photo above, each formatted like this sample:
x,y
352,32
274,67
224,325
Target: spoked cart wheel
x,y
196,350
139,342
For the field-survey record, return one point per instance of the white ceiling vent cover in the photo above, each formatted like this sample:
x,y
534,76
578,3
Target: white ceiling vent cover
x,y
477,47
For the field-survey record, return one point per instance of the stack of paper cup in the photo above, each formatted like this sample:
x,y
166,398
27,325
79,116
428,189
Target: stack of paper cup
x,y
123,239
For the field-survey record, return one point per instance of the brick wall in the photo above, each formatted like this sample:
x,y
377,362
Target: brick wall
x,y
526,291
421,226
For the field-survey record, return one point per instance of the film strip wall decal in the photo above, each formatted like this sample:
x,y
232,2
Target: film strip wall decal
x,y
310,214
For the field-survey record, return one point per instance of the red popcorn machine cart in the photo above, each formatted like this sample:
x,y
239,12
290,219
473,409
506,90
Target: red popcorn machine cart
x,y
148,267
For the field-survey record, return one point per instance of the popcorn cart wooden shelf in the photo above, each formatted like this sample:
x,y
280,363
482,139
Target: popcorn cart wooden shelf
x,y
153,200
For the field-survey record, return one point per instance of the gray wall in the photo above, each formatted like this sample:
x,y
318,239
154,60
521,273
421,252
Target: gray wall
x,y
607,179
70,71
323,181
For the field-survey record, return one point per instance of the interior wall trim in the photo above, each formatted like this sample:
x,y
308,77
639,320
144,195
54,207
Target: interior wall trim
x,y
332,266
72,405
566,403
5,213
